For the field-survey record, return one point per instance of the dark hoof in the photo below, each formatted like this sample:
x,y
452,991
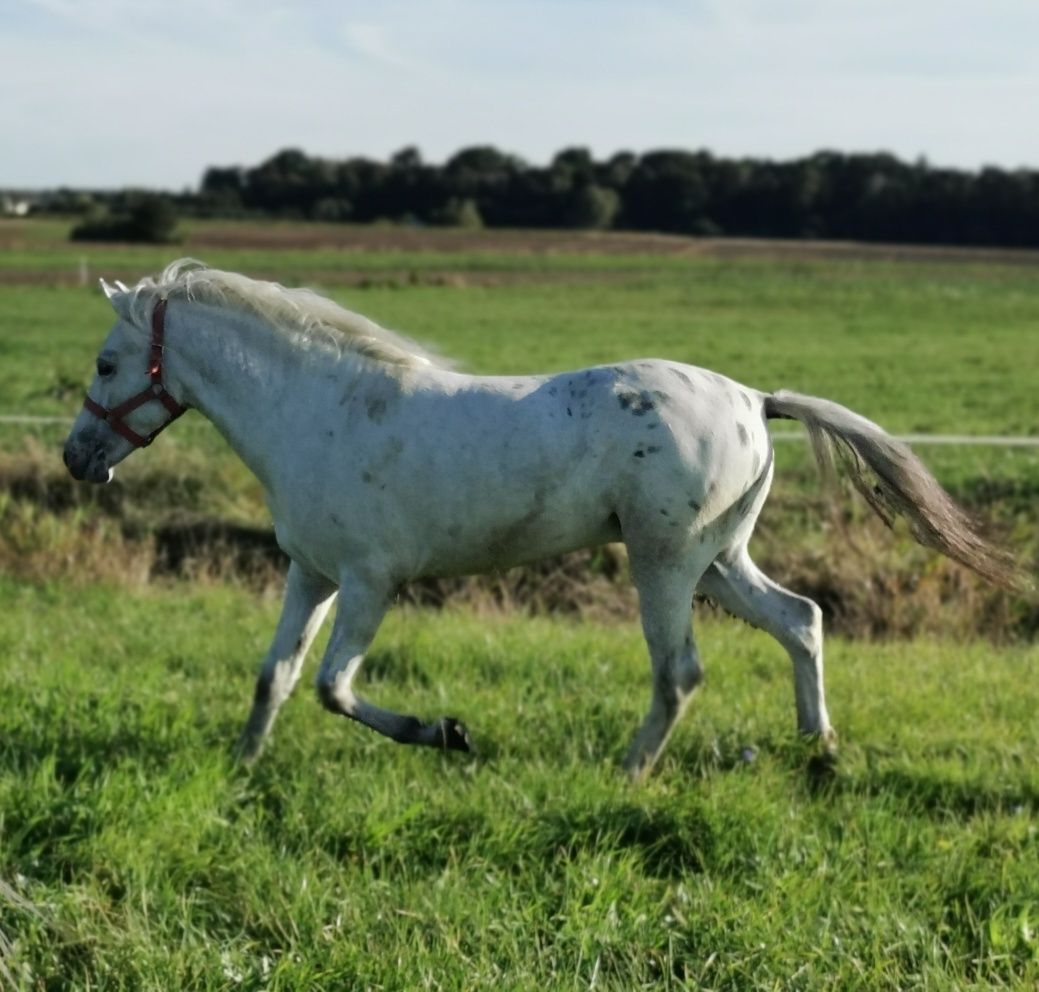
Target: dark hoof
x,y
454,736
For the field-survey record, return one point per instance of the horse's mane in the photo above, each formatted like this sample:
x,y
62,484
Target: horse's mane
x,y
301,313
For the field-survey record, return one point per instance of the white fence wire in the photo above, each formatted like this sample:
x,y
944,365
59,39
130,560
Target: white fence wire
x,y
966,440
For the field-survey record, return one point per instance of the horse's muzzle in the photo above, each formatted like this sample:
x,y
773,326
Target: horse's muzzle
x,y
91,467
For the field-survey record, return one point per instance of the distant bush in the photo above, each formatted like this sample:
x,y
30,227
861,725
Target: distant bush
x,y
148,219
593,207
459,212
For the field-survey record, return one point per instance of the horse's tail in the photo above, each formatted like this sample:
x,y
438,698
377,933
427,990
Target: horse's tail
x,y
896,484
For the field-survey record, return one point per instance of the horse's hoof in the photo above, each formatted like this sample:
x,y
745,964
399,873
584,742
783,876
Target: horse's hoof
x,y
454,736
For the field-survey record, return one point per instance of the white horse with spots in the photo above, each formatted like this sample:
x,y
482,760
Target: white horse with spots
x,y
380,467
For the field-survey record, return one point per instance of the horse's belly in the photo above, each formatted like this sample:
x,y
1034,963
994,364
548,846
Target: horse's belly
x,y
539,533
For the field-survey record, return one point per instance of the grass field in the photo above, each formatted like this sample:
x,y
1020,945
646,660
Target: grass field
x,y
147,861
344,861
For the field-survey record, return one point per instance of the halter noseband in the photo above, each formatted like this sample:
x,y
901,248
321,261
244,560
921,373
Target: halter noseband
x,y
115,418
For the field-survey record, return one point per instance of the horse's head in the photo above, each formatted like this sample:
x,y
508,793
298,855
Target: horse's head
x,y
127,403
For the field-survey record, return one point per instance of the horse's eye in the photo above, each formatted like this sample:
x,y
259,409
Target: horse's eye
x,y
104,368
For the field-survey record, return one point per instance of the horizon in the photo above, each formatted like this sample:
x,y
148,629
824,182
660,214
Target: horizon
x,y
148,94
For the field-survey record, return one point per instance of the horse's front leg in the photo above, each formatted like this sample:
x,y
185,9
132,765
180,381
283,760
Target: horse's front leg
x,y
361,609
307,599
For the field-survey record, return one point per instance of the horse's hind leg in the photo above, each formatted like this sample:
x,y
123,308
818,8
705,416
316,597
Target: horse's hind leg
x,y
361,608
741,588
665,606
306,602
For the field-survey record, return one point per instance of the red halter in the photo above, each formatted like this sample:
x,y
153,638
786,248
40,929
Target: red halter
x,y
156,391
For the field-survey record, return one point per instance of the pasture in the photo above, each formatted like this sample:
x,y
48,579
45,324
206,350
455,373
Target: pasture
x,y
140,857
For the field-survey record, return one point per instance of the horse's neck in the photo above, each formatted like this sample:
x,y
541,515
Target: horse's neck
x,y
243,376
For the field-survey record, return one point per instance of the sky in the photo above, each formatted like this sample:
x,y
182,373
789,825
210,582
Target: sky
x,y
149,93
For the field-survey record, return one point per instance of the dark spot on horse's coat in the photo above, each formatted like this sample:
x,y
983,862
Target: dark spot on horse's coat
x,y
335,519
367,477
569,412
745,398
744,436
375,407
639,454
661,395
693,505
551,390
519,385
639,403
653,426
330,433
679,374
664,512
653,449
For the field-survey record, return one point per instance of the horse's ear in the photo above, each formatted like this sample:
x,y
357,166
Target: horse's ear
x,y
119,297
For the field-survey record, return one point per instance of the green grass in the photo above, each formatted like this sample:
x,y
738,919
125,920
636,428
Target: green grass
x,y
924,349
344,861
949,348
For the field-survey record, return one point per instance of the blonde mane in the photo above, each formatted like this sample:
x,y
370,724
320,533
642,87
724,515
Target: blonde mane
x,y
299,313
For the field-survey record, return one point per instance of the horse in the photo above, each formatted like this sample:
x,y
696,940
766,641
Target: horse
x,y
381,464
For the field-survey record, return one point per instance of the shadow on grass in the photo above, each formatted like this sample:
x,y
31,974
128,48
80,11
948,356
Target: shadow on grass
x,y
927,794
666,845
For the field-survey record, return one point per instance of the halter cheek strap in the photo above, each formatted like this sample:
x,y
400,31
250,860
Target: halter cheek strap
x,y
116,417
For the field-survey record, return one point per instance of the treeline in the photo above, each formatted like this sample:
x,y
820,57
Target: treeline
x,y
873,197
857,197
